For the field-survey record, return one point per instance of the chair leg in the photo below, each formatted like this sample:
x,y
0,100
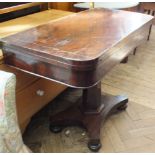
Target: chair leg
x,y
149,33
135,50
149,11
125,60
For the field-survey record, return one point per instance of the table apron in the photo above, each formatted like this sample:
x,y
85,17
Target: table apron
x,y
71,76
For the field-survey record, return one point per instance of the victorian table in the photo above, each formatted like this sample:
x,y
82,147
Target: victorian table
x,y
78,50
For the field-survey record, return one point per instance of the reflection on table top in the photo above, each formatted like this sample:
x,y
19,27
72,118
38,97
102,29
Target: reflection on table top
x,y
82,36
23,23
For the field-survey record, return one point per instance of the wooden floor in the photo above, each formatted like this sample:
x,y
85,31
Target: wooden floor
x,y
129,131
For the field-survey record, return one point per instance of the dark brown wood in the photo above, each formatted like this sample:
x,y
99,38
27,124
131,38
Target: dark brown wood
x,y
21,6
125,60
94,109
149,8
135,50
149,32
77,53
91,101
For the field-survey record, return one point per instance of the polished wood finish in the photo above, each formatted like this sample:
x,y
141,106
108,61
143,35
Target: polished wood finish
x,y
131,131
92,111
79,55
66,6
75,51
28,101
22,6
28,84
23,23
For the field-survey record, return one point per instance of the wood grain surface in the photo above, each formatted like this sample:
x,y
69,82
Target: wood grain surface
x,y
79,49
28,85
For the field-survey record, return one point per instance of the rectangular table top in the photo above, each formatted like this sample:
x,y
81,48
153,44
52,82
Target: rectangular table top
x,y
17,25
82,36
79,49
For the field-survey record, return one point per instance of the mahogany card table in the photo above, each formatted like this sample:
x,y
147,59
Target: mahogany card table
x,y
78,51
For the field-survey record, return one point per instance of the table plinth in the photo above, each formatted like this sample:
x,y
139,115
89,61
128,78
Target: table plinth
x,y
90,112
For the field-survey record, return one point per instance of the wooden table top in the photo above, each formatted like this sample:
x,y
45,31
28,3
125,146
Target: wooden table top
x,y
82,36
17,25
77,47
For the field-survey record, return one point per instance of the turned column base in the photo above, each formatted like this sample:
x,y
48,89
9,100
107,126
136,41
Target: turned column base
x,y
90,120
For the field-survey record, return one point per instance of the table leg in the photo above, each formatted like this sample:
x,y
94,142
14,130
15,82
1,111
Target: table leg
x,y
134,52
125,60
92,110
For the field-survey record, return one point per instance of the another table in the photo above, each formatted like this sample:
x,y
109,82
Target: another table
x,y
108,5
78,51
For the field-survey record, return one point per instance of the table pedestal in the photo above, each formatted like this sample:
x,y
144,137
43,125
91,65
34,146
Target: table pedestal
x,y
90,111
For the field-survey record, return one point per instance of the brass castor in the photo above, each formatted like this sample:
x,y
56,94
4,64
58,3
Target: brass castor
x,y
94,145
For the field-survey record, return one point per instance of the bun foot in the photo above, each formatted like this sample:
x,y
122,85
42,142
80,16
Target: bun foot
x,y
55,129
94,145
94,109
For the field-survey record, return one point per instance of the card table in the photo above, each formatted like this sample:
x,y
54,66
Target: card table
x,y
78,51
